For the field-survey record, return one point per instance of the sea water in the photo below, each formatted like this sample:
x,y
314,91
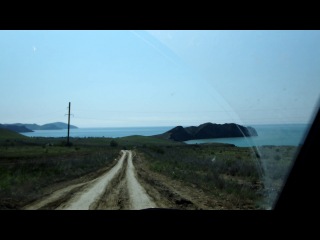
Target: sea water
x,y
100,132
273,134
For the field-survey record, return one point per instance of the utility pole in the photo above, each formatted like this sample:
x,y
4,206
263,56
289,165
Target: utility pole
x,y
68,143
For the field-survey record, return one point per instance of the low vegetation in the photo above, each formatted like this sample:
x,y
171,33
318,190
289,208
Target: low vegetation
x,y
238,176
27,167
225,172
6,134
277,162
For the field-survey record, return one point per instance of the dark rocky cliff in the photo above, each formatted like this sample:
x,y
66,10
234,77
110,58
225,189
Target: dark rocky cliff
x,y
208,130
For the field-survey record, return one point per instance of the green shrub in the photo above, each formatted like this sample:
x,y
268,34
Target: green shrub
x,y
113,143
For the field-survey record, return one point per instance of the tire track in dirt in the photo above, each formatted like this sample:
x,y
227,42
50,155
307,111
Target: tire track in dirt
x,y
115,196
139,199
116,189
58,196
172,194
90,196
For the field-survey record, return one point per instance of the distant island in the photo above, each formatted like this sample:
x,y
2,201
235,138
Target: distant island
x,y
208,130
25,127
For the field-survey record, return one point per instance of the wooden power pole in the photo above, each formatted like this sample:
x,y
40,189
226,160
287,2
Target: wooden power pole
x,y
68,143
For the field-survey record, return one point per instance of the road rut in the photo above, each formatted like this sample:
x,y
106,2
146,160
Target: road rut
x,y
119,181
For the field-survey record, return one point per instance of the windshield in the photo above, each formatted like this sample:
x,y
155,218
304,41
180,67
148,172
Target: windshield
x,y
123,120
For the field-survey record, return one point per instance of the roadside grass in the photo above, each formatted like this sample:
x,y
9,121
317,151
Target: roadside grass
x,y
26,169
29,164
144,141
232,174
277,162
236,174
227,172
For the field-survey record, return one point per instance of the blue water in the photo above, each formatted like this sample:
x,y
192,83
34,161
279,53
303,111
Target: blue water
x,y
280,135
100,132
275,134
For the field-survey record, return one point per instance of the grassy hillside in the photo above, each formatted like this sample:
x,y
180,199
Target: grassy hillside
x,y
8,134
144,140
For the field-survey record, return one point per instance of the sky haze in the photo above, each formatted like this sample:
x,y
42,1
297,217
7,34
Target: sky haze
x,y
159,78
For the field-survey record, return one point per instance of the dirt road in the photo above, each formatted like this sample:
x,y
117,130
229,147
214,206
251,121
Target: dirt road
x,y
127,185
139,199
89,195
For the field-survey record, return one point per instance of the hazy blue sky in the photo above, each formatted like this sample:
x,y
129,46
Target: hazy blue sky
x,y
159,78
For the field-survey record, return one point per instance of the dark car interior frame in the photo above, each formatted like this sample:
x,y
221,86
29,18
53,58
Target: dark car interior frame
x,y
300,189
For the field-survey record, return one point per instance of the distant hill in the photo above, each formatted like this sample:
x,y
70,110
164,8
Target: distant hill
x,y
25,127
29,126
9,134
56,126
208,130
16,128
